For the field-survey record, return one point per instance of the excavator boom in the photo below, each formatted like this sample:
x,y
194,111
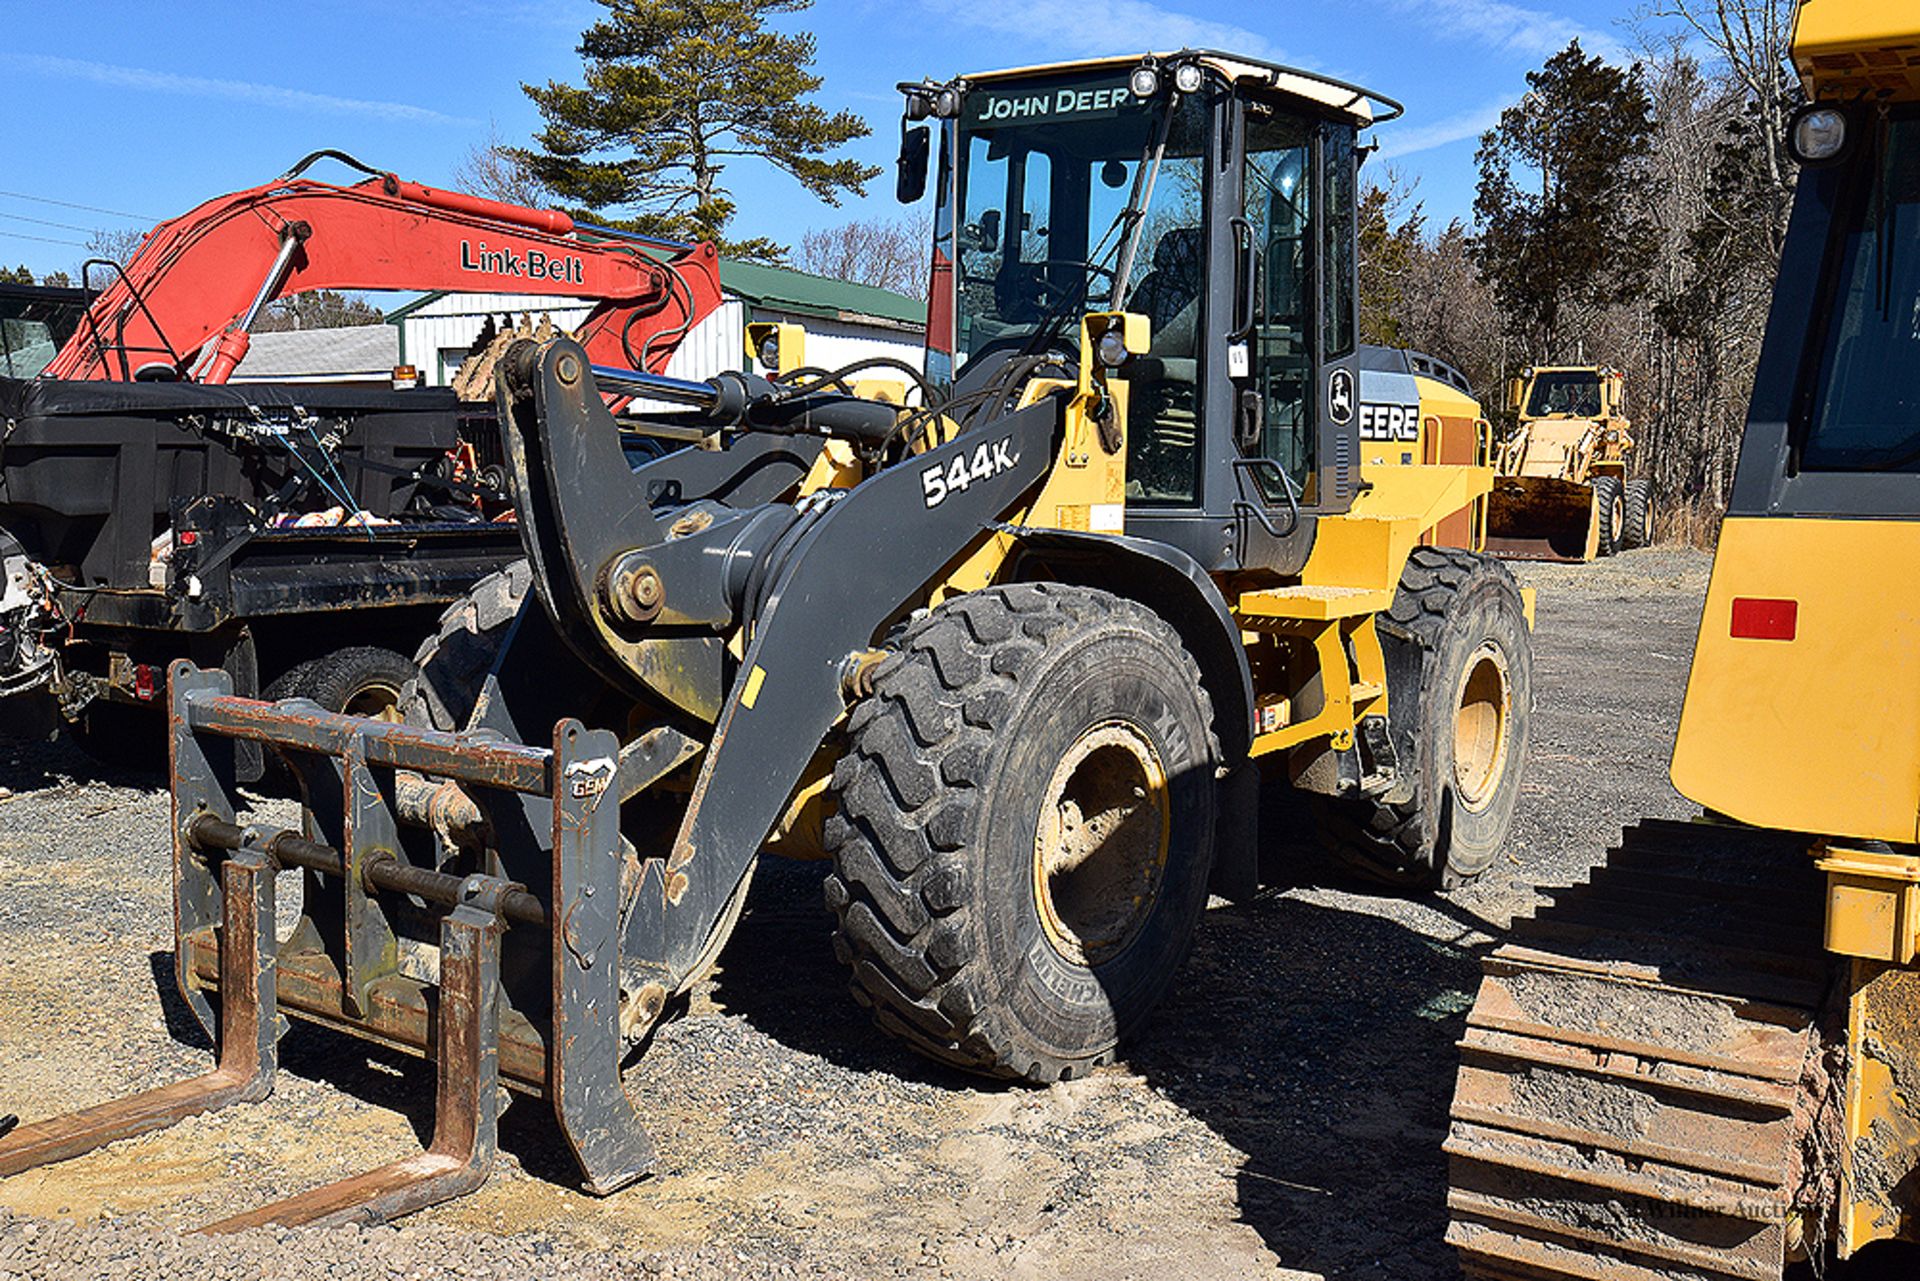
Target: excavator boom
x,y
183,307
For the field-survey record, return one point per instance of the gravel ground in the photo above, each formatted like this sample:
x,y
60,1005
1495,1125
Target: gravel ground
x,y
1283,1116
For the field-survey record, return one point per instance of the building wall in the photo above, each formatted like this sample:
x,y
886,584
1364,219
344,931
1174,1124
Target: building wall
x,y
436,338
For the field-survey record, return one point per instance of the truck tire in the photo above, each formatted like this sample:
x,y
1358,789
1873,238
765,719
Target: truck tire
x,y
1610,502
1637,503
361,680
1461,616
1025,827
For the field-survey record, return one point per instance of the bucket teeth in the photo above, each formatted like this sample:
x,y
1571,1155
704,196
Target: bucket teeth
x,y
1634,1074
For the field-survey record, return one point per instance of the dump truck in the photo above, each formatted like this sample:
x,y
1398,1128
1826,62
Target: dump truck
x,y
1017,656
300,537
1564,493
1704,1061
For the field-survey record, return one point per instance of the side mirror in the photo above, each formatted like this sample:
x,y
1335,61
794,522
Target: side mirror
x,y
910,180
1516,394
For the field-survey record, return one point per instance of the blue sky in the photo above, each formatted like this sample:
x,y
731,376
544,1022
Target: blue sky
x,y
147,108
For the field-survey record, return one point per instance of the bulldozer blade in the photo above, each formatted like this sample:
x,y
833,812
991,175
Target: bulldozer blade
x,y
248,1019
1541,518
467,1101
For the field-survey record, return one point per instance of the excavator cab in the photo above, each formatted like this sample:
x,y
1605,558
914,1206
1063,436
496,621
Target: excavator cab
x,y
1214,196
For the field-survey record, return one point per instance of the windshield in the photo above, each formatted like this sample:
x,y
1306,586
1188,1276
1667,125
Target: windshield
x,y
1866,409
1573,393
32,327
1046,169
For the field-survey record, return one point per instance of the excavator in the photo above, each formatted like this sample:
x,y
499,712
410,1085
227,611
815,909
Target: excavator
x,y
1018,659
183,308
1703,1063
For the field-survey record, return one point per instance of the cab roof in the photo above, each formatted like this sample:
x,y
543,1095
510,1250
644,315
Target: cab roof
x,y
1363,106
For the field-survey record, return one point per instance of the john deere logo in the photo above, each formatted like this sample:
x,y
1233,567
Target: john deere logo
x,y
1340,396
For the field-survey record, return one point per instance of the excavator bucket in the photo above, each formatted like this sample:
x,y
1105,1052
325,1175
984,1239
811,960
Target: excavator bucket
x,y
1542,518
460,901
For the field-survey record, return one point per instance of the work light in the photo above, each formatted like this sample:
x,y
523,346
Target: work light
x,y
1818,135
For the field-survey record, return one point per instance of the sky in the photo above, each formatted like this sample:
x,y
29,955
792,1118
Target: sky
x,y
147,108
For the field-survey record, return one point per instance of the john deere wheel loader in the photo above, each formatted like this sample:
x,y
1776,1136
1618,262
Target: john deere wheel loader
x,y
1563,492
1014,657
1705,1062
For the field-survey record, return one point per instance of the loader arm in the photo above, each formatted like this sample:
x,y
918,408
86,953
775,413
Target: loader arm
x,y
182,307
815,588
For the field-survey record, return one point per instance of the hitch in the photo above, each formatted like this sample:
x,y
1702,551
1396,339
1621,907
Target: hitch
x,y
497,958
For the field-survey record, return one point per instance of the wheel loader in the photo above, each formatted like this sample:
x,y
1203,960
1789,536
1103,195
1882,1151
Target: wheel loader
x,y
1016,655
1563,492
1704,1062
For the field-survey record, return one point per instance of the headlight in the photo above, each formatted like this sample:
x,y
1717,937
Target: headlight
x,y
1187,77
1145,81
1818,135
770,351
1111,349
946,103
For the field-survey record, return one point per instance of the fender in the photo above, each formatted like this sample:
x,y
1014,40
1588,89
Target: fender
x,y
1173,585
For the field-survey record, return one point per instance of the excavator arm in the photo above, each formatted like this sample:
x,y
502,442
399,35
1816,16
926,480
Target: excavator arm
x,y
183,308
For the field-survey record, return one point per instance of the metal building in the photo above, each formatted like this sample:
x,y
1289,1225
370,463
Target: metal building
x,y
844,322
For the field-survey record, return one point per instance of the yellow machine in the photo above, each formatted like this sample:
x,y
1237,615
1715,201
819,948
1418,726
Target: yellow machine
x,y
1705,1063
1563,492
1016,651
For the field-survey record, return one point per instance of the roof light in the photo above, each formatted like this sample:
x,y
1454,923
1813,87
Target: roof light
x,y
946,103
1818,135
1187,77
1145,80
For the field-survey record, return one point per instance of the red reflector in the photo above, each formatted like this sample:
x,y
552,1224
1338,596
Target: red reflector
x,y
188,538
143,683
1765,619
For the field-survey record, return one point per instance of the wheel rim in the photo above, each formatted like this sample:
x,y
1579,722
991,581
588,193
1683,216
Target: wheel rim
x,y
377,700
1100,849
1483,714
1617,519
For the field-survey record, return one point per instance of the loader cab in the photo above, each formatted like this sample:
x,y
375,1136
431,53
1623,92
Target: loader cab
x,y
1217,198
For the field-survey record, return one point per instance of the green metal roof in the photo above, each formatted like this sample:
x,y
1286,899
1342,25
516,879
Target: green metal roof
x,y
803,293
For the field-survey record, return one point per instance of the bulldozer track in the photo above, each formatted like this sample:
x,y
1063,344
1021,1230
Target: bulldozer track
x,y
1642,1086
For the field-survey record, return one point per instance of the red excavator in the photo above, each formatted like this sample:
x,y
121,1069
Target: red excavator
x,y
183,308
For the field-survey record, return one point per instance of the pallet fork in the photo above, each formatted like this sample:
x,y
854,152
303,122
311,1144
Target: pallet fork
x,y
527,991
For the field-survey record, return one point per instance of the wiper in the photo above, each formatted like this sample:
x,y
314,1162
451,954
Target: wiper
x,y
1132,217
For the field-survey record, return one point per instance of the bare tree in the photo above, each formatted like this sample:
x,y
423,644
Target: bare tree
x,y
115,246
491,169
888,254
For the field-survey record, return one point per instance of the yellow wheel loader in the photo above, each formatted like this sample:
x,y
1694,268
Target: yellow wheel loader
x,y
1014,654
1704,1063
1563,492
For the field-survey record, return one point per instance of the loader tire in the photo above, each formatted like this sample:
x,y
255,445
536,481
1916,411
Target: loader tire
x,y
1610,501
1637,528
1463,615
453,662
1025,826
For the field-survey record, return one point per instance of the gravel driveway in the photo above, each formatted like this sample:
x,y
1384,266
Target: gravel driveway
x,y
1282,1117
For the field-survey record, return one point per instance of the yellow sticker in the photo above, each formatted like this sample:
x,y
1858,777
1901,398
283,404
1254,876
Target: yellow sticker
x,y
755,679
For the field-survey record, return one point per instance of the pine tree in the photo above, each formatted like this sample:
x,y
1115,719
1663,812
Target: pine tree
x,y
674,90
1560,227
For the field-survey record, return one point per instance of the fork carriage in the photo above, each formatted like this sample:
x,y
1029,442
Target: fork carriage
x,y
505,971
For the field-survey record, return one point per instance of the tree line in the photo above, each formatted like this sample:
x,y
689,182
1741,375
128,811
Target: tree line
x,y
1624,215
